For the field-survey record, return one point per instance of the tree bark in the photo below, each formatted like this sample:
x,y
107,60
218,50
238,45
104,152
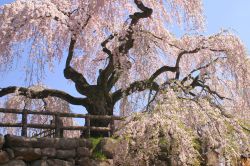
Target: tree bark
x,y
100,110
100,103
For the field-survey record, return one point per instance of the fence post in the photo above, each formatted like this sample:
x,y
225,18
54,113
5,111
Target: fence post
x,y
87,119
24,123
58,126
112,126
51,133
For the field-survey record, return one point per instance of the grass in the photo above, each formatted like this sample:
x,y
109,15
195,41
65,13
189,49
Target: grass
x,y
96,152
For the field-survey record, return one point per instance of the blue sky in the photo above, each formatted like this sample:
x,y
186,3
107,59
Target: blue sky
x,y
220,14
229,14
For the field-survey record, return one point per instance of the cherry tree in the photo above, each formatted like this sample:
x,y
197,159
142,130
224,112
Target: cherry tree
x,y
116,49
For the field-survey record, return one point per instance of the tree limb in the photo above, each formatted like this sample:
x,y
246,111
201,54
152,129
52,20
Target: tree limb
x,y
136,86
142,85
127,43
80,81
69,73
196,50
104,74
162,70
199,68
197,83
41,94
177,64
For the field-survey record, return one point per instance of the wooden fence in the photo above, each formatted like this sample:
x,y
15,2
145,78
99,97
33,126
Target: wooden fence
x,y
56,128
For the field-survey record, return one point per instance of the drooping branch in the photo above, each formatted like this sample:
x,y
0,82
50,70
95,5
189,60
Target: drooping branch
x,y
44,93
48,15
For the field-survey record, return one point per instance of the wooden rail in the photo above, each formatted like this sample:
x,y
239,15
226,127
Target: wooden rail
x,y
57,126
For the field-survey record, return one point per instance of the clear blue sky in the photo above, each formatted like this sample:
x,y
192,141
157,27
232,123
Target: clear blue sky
x,y
220,14
229,14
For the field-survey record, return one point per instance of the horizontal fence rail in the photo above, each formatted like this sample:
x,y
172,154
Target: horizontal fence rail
x,y
56,128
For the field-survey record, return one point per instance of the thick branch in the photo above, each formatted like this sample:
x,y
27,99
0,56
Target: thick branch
x,y
40,94
139,86
70,73
162,70
136,86
178,60
127,43
104,74
112,80
71,52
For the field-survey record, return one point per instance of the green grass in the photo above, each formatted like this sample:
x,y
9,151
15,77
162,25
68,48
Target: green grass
x,y
96,153
95,141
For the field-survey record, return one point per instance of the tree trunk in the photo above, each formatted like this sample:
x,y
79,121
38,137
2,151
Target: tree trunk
x,y
99,104
99,110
